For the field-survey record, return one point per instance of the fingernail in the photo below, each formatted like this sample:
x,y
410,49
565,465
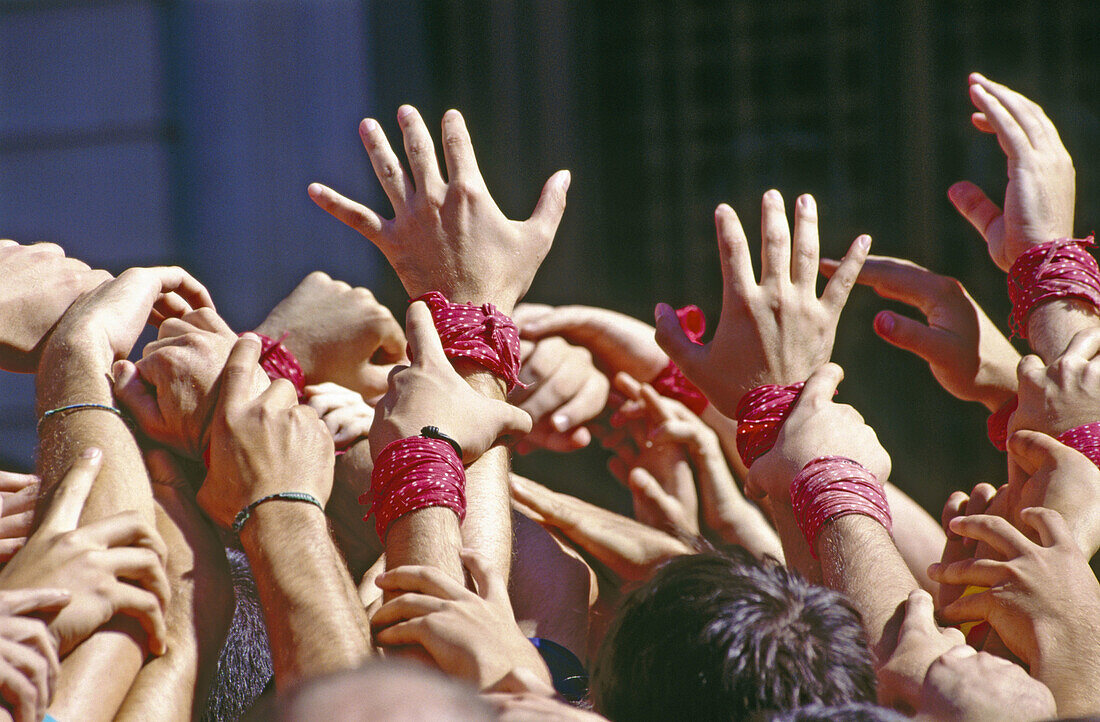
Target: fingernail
x,y
864,242
568,179
560,422
662,310
404,111
370,125
884,322
90,453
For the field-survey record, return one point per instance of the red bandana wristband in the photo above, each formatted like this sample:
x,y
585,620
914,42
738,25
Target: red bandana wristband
x,y
479,333
760,414
834,486
279,363
671,381
1086,439
997,424
411,474
1056,269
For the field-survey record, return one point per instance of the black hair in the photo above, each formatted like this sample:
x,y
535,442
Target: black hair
x,y
851,712
720,635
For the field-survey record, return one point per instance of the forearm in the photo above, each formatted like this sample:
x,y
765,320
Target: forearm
x,y
919,539
315,621
168,686
796,552
487,528
97,675
859,558
1053,324
426,537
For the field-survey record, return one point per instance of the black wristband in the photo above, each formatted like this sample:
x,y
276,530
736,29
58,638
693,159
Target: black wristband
x,y
433,432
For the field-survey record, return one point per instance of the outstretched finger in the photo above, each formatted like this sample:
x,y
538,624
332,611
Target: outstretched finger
x,y
844,278
419,149
974,205
733,251
458,150
72,493
348,212
1027,114
396,185
27,601
672,339
775,234
551,204
806,249
896,279
1011,136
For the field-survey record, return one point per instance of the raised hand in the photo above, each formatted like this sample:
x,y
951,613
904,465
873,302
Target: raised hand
x,y
1035,601
816,426
40,284
470,635
1039,198
345,413
18,497
448,236
28,652
619,343
338,333
966,351
774,332
172,390
970,686
627,547
261,445
564,391
430,392
111,566
1056,398
108,319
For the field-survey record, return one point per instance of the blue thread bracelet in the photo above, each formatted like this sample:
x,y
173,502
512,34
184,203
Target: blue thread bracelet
x,y
246,512
66,410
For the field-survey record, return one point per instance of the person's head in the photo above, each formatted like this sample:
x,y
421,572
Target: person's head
x,y
714,636
389,691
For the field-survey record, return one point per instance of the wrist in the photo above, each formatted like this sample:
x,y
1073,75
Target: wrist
x,y
82,347
276,517
297,343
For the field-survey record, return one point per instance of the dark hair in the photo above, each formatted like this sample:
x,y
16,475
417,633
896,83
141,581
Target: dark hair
x,y
719,635
851,712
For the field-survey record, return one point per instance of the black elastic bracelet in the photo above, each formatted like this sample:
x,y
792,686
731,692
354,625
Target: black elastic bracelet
x,y
433,432
246,512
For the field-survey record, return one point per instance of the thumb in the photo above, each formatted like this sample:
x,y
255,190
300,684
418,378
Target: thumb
x,y
687,354
425,348
974,205
490,585
1031,450
551,205
820,387
514,421
919,611
913,336
137,397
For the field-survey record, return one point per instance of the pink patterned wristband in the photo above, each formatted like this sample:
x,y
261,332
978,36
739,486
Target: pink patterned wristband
x,y
412,474
997,424
671,382
479,333
1056,269
760,414
833,486
1084,438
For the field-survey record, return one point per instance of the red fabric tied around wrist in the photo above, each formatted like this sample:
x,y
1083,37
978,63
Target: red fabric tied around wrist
x,y
997,425
1086,439
479,333
1056,269
834,486
279,363
760,414
671,382
411,474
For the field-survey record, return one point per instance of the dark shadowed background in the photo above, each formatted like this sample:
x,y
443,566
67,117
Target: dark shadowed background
x,y
140,133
